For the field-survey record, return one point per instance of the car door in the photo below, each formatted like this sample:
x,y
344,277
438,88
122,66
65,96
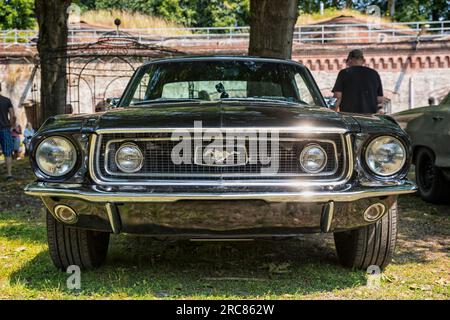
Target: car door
x,y
429,127
434,131
441,133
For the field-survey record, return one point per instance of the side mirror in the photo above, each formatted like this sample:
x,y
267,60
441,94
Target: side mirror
x,y
331,102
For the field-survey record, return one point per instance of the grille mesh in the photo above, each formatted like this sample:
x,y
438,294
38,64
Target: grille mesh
x,y
157,149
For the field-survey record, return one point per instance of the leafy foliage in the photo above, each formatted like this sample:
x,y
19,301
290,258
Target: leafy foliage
x,y
19,14
219,13
408,10
16,14
195,13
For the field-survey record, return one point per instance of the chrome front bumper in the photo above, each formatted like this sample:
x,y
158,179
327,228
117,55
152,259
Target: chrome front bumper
x,y
217,211
95,193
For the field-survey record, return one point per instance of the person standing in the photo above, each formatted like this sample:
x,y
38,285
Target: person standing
x,y
358,88
7,120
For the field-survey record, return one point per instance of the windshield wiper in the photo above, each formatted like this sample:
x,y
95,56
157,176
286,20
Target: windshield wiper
x,y
165,100
260,99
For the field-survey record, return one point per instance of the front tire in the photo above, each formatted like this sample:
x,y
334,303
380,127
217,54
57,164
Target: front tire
x,y
433,186
371,245
69,246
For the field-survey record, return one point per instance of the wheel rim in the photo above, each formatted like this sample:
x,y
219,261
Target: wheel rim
x,y
427,173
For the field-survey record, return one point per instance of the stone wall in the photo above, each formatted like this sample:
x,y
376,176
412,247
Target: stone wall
x,y
91,83
14,78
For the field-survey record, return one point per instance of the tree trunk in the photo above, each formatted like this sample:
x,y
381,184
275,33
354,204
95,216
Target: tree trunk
x,y
391,7
348,4
272,25
52,20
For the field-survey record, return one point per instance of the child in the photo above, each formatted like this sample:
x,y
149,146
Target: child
x,y
28,134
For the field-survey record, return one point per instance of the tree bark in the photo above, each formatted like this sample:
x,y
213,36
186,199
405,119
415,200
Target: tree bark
x,y
391,7
272,25
53,31
348,4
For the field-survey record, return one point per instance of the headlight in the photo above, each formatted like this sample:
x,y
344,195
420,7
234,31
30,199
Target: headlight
x,y
385,156
56,156
313,158
129,158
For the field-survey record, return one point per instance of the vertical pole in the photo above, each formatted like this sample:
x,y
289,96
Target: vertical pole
x,y
323,35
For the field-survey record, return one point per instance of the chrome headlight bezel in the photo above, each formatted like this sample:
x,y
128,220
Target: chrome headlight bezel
x,y
368,148
70,168
139,151
305,150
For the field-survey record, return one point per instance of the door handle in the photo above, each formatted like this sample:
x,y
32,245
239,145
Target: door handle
x,y
437,118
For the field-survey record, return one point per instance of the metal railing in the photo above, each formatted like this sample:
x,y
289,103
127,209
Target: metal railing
x,y
320,33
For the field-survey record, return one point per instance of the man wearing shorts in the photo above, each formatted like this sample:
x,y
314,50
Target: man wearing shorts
x,y
6,142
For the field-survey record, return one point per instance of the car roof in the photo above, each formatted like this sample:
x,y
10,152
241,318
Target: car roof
x,y
222,58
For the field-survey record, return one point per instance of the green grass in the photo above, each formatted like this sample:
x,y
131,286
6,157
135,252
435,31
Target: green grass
x,y
143,268
132,20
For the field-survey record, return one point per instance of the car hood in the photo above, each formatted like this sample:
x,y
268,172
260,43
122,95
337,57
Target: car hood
x,y
221,115
224,115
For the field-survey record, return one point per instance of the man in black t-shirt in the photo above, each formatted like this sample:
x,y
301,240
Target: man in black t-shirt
x,y
6,122
358,89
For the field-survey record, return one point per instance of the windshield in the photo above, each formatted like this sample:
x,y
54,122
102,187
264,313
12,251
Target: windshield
x,y
213,80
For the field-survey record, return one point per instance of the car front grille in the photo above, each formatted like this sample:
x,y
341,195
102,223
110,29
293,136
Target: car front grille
x,y
157,149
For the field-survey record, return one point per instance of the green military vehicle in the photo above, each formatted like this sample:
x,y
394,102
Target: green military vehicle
x,y
429,129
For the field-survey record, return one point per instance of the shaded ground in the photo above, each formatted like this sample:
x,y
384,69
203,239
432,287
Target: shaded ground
x,y
142,268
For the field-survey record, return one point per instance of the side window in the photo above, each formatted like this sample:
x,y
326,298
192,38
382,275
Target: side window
x,y
141,91
176,90
303,90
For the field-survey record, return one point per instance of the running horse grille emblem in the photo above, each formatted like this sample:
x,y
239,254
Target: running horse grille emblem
x,y
214,156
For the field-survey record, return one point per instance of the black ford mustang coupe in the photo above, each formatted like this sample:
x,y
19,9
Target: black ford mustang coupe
x,y
220,148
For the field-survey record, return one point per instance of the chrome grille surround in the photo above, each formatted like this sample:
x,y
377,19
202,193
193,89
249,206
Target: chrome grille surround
x,y
101,173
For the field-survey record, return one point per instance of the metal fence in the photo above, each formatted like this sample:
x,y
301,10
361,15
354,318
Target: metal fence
x,y
320,33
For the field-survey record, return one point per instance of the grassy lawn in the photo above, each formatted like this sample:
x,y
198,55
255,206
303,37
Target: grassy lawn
x,y
142,268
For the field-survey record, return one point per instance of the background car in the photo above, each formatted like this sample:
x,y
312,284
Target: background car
x,y
429,130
